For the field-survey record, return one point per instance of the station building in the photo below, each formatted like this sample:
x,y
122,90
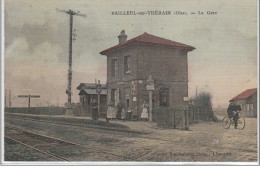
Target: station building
x,y
131,62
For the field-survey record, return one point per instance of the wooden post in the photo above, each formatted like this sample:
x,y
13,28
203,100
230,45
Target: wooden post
x,y
187,120
98,89
150,106
150,88
10,103
29,99
183,118
174,117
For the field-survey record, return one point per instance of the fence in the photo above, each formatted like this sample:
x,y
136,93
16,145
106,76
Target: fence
x,y
38,110
194,114
88,112
181,117
177,118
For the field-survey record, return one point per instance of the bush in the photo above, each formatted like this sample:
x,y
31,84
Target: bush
x,y
204,100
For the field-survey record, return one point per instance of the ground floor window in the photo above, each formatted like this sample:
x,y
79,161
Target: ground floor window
x,y
127,97
89,100
164,96
127,102
249,109
83,100
113,96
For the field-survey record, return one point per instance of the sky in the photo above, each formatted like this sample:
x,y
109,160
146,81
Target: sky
x,y
224,62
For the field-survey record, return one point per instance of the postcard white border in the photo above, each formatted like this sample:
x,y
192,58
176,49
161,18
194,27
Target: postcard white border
x,y
28,163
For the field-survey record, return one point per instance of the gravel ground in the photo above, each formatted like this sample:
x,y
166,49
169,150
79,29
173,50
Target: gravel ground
x,y
205,142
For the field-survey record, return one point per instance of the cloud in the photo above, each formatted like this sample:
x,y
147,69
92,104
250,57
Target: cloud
x,y
39,71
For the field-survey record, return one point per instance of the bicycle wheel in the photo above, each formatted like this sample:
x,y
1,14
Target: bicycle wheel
x,y
241,123
226,122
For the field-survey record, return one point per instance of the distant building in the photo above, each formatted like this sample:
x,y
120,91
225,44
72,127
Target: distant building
x,y
131,62
248,101
88,92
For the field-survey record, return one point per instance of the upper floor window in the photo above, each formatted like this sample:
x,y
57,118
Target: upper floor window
x,y
164,97
114,68
127,67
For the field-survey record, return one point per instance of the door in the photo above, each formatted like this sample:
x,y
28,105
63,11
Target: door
x,y
127,97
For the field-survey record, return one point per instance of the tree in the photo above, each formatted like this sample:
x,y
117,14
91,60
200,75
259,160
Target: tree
x,y
203,100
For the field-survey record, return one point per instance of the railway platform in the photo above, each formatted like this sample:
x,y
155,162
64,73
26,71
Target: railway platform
x,y
140,126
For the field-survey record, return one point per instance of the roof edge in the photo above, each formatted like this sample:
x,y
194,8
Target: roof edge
x,y
135,40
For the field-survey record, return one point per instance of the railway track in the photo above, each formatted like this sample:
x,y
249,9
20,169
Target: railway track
x,y
38,150
41,143
98,129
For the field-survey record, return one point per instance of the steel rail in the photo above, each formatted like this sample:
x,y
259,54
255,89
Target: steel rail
x,y
83,127
36,149
95,149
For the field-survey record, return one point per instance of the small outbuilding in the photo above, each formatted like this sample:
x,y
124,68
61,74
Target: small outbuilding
x,y
87,93
248,101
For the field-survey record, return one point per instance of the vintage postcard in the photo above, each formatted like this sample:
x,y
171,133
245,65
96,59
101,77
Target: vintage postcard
x,y
125,82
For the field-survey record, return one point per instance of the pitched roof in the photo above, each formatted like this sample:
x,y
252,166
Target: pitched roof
x,y
92,92
90,86
149,39
245,94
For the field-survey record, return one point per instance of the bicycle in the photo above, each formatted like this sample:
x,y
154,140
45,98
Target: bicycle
x,y
227,121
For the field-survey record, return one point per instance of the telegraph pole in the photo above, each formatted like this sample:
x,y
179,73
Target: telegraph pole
x,y
71,34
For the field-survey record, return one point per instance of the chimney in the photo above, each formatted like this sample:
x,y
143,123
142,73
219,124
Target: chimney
x,y
122,37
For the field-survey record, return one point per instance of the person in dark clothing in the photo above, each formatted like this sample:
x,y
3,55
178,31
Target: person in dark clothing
x,y
232,111
94,110
120,106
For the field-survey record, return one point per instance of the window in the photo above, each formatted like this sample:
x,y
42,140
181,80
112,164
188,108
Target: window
x,y
89,100
119,94
113,96
114,68
127,103
127,64
249,109
83,100
127,97
164,97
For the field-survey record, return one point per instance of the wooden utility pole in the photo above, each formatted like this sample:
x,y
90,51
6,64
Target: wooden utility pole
x,y
29,99
10,103
71,34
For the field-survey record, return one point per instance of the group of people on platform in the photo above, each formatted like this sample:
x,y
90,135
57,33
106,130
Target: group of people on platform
x,y
125,113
